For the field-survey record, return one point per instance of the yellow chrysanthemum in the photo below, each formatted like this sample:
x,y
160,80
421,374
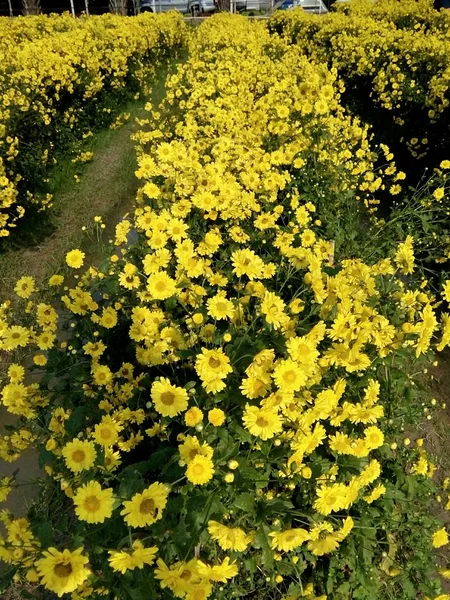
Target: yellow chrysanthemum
x,y
262,422
161,286
289,376
229,538
92,503
125,561
288,540
220,572
62,572
24,287
200,470
216,417
193,417
79,455
147,507
440,538
75,259
213,366
169,399
106,433
191,447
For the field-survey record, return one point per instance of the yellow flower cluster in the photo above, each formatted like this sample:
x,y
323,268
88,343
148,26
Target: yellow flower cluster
x,y
223,380
400,49
55,69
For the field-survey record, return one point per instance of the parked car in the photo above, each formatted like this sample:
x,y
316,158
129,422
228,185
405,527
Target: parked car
x,y
195,7
287,4
201,7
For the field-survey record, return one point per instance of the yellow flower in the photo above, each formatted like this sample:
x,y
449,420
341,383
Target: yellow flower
x,y
229,538
106,433
56,280
40,360
376,493
200,470
289,539
331,498
323,539
124,561
272,307
446,290
5,487
216,417
440,538
79,455
169,400
181,578
25,286
201,591
246,262
262,422
220,572
404,257
75,259
147,507
92,503
62,572
289,376
374,437
219,307
212,367
161,286
101,374
191,447
193,417
439,193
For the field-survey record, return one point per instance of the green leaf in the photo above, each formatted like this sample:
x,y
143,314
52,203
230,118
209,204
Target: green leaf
x,y
245,502
44,533
77,420
262,542
243,435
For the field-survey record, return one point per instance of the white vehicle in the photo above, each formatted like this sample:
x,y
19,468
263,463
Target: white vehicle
x,y
312,6
195,7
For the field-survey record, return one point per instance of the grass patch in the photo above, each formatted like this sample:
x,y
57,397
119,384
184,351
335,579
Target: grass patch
x,y
106,187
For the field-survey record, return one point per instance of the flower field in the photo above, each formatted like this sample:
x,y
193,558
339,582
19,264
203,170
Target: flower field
x,y
59,77
229,405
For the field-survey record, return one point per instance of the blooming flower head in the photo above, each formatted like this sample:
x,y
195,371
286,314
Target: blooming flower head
x,y
62,572
200,470
75,259
169,399
79,455
262,422
92,503
229,538
147,507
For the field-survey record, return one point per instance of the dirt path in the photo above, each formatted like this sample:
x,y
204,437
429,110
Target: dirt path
x,y
107,188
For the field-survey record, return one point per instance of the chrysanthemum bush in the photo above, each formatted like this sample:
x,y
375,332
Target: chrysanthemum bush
x,y
393,57
60,77
219,407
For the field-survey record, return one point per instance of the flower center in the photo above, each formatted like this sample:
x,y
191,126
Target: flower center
x,y
289,376
105,433
214,363
78,456
147,507
186,575
160,286
167,398
92,503
262,422
198,469
62,570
